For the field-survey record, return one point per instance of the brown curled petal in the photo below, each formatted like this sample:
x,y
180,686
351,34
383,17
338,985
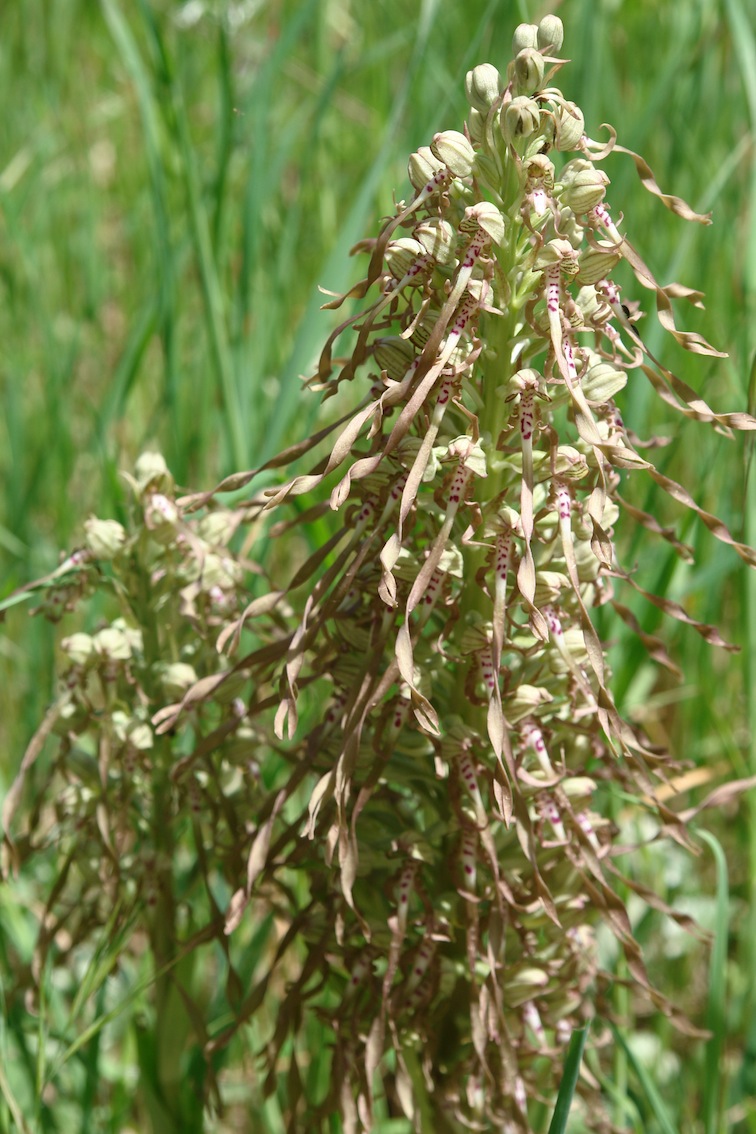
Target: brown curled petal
x,y
674,204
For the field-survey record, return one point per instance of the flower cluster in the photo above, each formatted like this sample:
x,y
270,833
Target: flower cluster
x,y
170,586
446,739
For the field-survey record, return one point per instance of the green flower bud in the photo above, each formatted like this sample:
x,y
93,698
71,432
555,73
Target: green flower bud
x,y
577,787
569,227
131,730
79,648
422,166
152,472
595,264
486,171
602,382
113,643
139,736
519,119
482,87
394,355
218,527
585,560
437,238
610,515
529,68
524,700
521,986
104,538
454,151
526,35
476,125
550,34
549,585
400,256
569,126
220,571
176,679
583,186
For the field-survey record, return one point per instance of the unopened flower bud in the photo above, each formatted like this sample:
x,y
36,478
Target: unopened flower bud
x,y
569,227
569,125
550,35
105,538
596,264
578,786
394,355
486,171
524,700
520,985
549,585
437,239
455,151
218,527
422,166
220,571
583,186
139,736
113,643
151,471
476,126
585,560
482,87
401,255
602,382
520,118
529,68
526,35
176,678
79,648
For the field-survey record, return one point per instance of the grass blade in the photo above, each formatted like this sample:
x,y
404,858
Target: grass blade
x,y
570,1075
713,1085
647,1085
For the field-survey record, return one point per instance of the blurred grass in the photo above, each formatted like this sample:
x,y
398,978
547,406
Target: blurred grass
x,y
176,180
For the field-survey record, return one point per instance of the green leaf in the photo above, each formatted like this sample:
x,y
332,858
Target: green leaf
x,y
558,1123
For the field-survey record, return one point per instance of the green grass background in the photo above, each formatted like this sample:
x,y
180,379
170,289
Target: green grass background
x,y
176,180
